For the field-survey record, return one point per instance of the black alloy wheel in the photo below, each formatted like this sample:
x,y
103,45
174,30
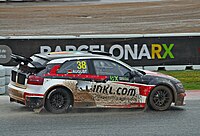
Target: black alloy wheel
x,y
160,98
58,101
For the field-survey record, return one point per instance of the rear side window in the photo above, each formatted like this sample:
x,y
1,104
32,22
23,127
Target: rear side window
x,y
46,70
74,67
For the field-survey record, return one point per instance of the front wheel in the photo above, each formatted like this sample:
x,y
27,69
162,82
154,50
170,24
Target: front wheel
x,y
58,101
160,98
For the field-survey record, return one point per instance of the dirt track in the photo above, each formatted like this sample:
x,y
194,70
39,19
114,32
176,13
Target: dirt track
x,y
177,16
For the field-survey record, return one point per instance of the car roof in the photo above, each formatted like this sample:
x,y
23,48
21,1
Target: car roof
x,y
61,57
68,54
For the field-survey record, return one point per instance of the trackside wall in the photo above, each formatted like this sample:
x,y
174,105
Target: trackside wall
x,y
151,52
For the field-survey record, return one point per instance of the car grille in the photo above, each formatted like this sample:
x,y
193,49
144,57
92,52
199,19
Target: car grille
x,y
18,77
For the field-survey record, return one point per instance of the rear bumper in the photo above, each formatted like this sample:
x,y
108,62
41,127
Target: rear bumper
x,y
20,95
34,102
180,101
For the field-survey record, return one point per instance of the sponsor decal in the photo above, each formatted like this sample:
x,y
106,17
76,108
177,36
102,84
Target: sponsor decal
x,y
124,79
106,89
118,78
114,78
114,93
78,72
144,89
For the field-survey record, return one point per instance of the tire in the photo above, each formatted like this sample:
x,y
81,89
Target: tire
x,y
160,98
58,101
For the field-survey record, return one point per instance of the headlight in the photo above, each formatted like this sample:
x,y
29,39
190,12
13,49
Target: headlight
x,y
179,85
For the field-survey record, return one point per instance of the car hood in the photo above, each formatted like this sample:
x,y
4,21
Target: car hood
x,y
150,74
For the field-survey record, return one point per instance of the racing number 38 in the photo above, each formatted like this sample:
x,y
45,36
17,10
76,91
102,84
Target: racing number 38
x,y
81,65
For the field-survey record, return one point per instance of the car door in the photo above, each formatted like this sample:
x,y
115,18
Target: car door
x,y
78,77
116,90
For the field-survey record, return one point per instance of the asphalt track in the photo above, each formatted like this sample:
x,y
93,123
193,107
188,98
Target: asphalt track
x,y
177,121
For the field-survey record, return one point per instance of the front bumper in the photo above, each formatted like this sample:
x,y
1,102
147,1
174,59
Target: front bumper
x,y
180,99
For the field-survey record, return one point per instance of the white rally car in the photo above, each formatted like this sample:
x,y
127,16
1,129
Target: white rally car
x,y
61,80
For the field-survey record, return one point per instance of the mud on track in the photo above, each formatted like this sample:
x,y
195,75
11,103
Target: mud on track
x,y
168,16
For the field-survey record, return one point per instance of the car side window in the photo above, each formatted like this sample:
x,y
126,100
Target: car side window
x,y
74,67
107,67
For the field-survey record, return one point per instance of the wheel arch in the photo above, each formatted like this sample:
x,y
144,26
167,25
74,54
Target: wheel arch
x,y
59,86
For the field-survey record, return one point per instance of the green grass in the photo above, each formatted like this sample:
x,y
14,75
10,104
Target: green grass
x,y
189,78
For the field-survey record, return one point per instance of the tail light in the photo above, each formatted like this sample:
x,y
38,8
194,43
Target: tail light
x,y
35,80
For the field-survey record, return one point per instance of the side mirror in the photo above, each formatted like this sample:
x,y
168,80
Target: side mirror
x,y
135,74
131,74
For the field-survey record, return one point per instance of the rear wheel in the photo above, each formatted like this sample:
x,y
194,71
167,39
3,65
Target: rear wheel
x,y
160,98
58,101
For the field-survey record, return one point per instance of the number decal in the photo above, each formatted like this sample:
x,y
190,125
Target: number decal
x,y
81,65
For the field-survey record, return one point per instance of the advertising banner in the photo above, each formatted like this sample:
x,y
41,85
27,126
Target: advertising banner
x,y
136,51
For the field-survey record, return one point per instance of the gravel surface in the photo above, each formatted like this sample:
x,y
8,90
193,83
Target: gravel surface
x,y
66,18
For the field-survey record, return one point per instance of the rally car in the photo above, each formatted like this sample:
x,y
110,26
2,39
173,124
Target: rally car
x,y
59,81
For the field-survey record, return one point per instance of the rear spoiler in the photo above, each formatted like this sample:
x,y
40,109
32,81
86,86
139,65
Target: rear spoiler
x,y
19,59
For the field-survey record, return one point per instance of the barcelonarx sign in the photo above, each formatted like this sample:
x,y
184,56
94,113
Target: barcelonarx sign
x,y
142,50
126,51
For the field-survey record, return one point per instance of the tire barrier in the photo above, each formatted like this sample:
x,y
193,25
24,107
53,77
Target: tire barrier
x,y
7,79
5,73
2,90
2,80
